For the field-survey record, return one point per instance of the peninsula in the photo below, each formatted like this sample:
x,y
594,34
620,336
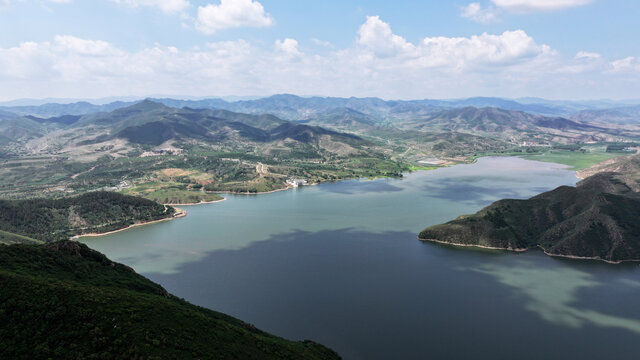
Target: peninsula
x,y
596,219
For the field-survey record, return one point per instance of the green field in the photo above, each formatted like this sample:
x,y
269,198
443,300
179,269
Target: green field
x,y
575,159
11,238
176,194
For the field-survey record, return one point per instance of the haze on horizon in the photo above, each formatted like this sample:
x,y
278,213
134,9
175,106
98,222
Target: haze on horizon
x,y
563,49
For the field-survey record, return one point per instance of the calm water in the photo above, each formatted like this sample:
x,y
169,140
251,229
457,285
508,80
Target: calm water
x,y
340,264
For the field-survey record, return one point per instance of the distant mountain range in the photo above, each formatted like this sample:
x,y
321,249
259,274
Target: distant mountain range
x,y
315,138
342,126
492,120
291,107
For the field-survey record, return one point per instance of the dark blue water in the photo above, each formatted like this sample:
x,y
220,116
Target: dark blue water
x,y
340,264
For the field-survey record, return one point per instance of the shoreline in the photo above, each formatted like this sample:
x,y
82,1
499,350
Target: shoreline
x,y
198,203
251,193
596,258
182,213
521,250
517,250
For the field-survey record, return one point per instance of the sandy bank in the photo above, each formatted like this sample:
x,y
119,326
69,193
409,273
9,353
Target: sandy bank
x,y
197,203
179,214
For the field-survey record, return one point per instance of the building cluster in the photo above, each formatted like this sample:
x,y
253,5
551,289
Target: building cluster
x,y
297,182
160,152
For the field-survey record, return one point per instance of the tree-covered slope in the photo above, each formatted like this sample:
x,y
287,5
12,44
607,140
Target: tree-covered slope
x,y
596,219
57,219
65,301
152,123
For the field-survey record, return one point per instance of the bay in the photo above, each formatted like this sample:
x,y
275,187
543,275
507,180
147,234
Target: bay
x,y
340,264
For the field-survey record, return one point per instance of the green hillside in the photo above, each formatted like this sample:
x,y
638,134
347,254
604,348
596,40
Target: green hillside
x,y
59,219
65,301
596,219
324,139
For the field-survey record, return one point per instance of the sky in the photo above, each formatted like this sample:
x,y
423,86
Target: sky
x,y
554,49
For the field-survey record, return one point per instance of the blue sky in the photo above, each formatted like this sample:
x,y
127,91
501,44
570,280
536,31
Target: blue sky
x,y
562,49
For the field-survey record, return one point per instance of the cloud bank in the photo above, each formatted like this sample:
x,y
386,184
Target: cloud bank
x,y
379,63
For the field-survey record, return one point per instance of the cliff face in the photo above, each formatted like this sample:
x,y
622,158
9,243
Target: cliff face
x,y
599,218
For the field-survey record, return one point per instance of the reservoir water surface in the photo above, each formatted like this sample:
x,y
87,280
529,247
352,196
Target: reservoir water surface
x,y
339,263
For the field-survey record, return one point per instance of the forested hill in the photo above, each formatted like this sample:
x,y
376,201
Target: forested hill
x,y
65,301
43,220
597,219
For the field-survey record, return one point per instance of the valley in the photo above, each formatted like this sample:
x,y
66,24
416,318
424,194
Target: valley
x,y
176,151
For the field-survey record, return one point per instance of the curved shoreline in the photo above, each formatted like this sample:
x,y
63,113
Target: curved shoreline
x,y
180,214
597,258
474,246
198,203
519,250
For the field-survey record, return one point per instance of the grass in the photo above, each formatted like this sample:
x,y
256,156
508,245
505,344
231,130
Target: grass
x,y
575,159
172,194
416,168
11,238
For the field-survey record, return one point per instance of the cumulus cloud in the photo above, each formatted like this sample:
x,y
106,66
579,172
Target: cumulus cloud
x,y
376,35
628,64
508,48
167,6
381,63
475,12
75,45
587,55
288,47
526,6
454,53
232,14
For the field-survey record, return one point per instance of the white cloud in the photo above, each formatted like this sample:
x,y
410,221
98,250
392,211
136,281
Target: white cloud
x,y
474,11
525,6
75,45
628,64
288,47
508,48
380,63
60,1
232,14
167,6
376,35
322,43
587,55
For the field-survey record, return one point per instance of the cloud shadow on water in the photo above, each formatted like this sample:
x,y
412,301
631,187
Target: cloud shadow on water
x,y
386,295
361,187
467,192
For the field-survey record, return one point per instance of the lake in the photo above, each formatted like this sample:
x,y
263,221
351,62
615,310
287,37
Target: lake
x,y
339,263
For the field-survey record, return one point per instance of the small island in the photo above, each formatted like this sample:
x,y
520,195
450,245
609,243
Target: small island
x,y
596,219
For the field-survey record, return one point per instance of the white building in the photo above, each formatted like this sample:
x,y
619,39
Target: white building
x,y
297,182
